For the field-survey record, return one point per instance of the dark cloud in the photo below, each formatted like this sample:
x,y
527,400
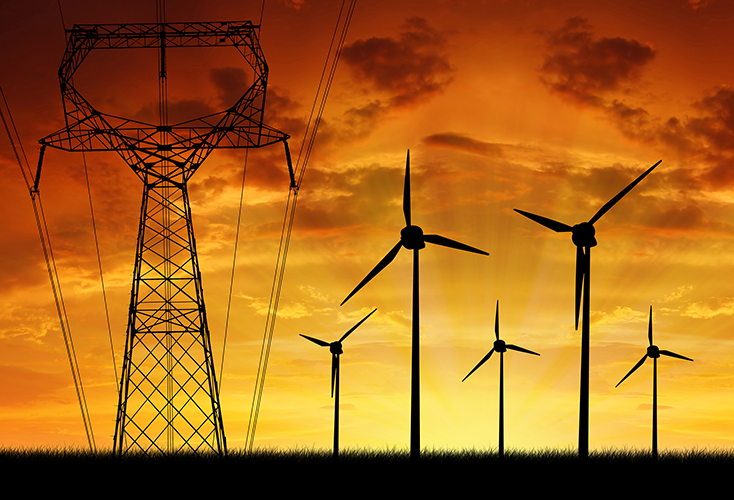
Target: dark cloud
x,y
281,112
409,69
395,73
681,218
663,204
581,68
696,4
589,71
703,140
463,143
266,170
716,126
231,84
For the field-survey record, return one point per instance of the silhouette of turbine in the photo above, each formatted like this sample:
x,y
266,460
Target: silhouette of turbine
x,y
412,238
336,350
582,236
500,347
654,353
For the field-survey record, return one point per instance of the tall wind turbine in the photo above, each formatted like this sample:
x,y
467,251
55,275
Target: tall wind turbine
x,y
412,238
653,352
336,350
500,347
582,235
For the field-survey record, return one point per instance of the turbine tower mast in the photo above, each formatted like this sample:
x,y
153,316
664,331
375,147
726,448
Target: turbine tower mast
x,y
169,397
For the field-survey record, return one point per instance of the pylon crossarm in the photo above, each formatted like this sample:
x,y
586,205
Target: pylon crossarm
x,y
165,376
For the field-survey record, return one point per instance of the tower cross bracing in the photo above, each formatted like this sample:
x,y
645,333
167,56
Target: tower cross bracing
x,y
169,398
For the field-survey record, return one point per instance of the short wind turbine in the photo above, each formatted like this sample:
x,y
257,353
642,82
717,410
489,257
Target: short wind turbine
x,y
412,238
500,347
336,350
582,235
653,352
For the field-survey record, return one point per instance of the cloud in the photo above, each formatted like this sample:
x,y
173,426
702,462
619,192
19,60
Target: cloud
x,y
595,72
230,83
580,68
619,315
463,143
279,109
713,307
704,139
293,310
316,294
696,4
682,218
27,323
409,69
678,293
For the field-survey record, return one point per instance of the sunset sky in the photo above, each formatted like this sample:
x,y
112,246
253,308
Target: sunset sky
x,y
546,106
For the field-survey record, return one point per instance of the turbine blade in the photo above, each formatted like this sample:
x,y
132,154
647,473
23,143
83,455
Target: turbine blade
x,y
674,355
520,349
497,321
556,226
334,369
639,364
445,242
621,194
356,326
649,327
406,191
379,267
580,272
484,359
315,341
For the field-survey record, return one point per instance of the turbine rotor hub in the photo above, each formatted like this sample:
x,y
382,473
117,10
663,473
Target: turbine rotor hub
x,y
336,348
499,346
583,235
412,238
653,351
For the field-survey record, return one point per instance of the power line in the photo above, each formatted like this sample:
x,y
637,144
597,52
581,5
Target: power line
x,y
50,264
101,274
290,212
234,262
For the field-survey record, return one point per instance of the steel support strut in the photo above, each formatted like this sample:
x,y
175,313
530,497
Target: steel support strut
x,y
168,398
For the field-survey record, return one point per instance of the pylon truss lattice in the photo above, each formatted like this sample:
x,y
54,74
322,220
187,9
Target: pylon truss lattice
x,y
169,398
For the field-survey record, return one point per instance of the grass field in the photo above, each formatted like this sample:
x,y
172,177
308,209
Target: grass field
x,y
359,472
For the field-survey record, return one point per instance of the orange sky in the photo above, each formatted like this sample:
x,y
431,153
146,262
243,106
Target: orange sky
x,y
550,107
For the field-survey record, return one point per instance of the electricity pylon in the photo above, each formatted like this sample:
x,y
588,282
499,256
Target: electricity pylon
x,y
169,397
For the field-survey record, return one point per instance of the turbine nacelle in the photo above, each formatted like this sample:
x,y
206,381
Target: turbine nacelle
x,y
499,345
652,352
583,235
411,237
336,349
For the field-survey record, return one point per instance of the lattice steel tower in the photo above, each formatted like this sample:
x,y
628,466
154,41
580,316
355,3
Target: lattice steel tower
x,y
169,398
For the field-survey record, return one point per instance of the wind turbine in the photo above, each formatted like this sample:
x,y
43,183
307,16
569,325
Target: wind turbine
x,y
582,235
336,350
412,238
653,352
500,347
